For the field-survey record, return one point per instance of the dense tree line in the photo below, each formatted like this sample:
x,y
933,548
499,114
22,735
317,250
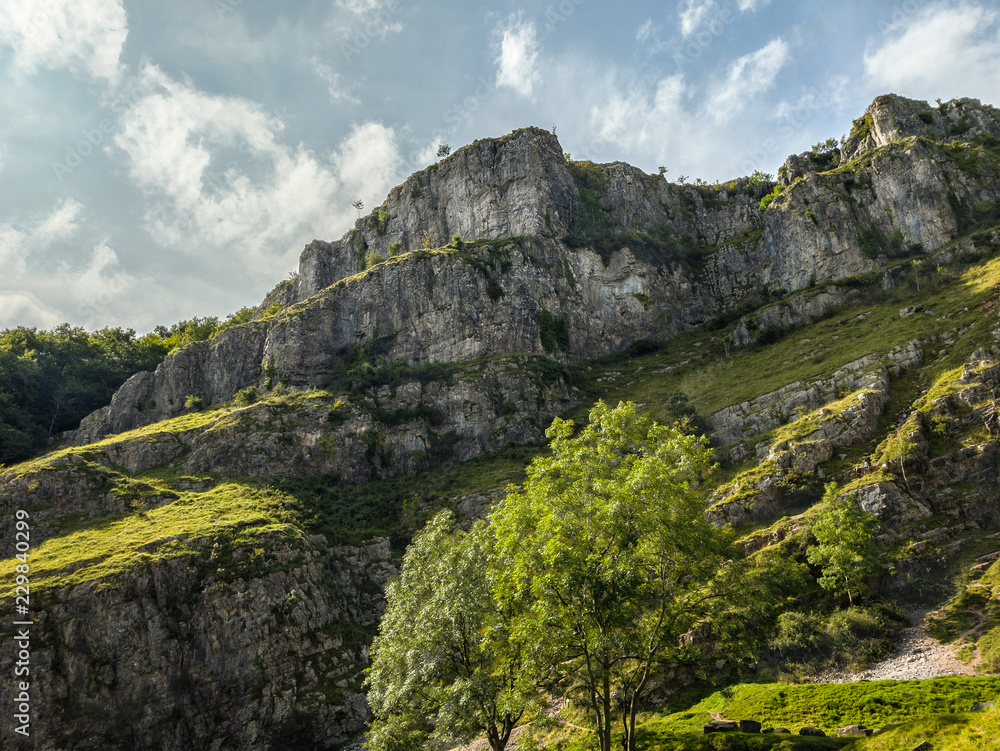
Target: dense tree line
x,y
50,380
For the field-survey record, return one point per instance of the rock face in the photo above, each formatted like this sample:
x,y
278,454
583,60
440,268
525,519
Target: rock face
x,y
192,653
397,348
606,252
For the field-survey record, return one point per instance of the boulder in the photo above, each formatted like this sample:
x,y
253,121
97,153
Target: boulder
x,y
721,726
815,732
855,730
981,706
749,726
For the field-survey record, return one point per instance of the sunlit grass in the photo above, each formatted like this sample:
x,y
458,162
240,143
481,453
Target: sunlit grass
x,y
237,513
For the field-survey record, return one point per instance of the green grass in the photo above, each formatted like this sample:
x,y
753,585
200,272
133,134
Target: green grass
x,y
233,512
832,705
967,731
240,513
696,364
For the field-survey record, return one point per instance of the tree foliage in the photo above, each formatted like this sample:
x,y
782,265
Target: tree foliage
x,y
50,380
609,542
443,666
845,550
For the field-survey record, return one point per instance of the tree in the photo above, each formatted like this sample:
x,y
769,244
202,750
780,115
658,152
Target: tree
x,y
359,205
825,147
608,539
443,665
443,150
846,552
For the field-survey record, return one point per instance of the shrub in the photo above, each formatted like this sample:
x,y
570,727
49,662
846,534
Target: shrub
x,y
394,248
194,403
246,397
373,258
769,198
553,331
379,221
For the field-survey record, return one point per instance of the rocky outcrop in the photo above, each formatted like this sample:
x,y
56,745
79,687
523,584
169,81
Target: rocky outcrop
x,y
392,351
233,648
769,411
606,252
891,118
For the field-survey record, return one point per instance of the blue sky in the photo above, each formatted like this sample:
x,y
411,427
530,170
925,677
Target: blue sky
x,y
160,161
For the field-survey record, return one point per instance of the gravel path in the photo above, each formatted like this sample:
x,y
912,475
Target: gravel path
x,y
917,656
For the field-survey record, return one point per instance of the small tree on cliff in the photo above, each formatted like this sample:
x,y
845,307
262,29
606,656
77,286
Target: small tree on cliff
x,y
846,551
443,666
609,541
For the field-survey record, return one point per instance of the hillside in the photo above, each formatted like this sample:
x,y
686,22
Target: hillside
x,y
208,551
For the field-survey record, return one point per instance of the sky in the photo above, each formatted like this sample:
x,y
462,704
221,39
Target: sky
x,y
166,160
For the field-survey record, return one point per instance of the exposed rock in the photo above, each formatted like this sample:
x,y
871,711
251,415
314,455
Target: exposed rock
x,y
855,730
815,732
722,726
981,706
200,651
749,726
487,299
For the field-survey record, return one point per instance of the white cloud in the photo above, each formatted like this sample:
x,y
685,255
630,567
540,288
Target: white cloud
x,y
374,18
82,35
646,30
217,176
942,51
518,55
751,5
21,244
27,255
19,307
334,83
748,77
692,13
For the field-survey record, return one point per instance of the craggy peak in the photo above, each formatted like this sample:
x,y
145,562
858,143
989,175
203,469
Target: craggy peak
x,y
540,453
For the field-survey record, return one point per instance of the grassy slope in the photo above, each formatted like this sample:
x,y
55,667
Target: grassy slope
x,y
935,710
832,705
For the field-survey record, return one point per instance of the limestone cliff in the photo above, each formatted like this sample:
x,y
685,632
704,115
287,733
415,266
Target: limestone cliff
x,y
611,254
209,549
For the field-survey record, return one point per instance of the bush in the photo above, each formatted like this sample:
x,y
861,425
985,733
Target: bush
x,y
373,258
194,403
553,331
769,198
246,397
394,248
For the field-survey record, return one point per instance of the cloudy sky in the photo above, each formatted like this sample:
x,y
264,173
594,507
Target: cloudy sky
x,y
163,160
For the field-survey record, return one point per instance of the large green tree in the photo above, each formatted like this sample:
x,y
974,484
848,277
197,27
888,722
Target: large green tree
x,y
443,667
608,540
